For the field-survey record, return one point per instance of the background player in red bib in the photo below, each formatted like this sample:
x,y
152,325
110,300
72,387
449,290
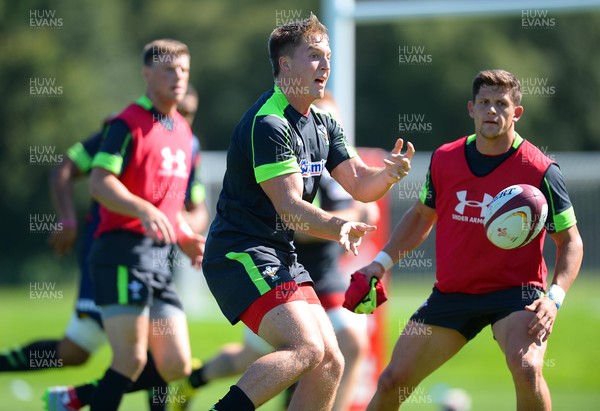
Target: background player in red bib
x,y
85,334
479,284
139,177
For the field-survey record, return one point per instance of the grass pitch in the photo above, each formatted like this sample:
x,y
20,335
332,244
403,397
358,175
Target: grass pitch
x,y
572,364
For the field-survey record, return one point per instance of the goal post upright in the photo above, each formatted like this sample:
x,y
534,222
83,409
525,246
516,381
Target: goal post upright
x,y
341,17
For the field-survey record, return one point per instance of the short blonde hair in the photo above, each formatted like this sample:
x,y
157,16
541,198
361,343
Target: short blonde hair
x,y
163,47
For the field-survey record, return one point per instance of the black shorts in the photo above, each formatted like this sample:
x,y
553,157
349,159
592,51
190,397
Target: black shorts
x,y
470,313
237,279
119,284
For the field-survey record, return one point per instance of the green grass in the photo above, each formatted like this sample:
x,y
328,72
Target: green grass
x,y
572,372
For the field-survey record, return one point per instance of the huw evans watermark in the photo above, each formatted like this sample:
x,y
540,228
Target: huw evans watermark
x,y
44,19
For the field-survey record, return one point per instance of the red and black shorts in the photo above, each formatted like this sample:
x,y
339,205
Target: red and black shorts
x,y
259,274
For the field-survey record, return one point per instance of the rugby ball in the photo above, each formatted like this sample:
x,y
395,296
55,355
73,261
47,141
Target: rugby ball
x,y
515,216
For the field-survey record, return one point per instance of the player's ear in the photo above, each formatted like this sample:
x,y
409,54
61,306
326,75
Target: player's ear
x,y
284,63
518,113
470,108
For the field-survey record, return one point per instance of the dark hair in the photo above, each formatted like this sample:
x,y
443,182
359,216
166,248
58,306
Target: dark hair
x,y
162,47
284,39
501,79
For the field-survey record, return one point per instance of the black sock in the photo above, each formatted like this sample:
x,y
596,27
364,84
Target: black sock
x,y
148,378
197,379
85,392
110,391
234,400
39,355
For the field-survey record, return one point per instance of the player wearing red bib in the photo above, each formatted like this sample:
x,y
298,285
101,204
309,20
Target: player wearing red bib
x,y
479,284
140,177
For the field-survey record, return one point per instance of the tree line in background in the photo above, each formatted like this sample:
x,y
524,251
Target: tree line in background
x,y
66,65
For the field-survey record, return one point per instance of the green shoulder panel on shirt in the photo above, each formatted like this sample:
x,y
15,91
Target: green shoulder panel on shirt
x,y
80,157
518,141
564,220
269,171
275,105
108,162
144,102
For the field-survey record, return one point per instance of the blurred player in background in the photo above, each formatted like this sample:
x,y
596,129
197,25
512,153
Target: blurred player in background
x,y
479,284
84,334
139,176
277,154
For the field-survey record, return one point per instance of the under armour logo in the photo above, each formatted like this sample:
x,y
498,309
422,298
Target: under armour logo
x,y
462,197
173,164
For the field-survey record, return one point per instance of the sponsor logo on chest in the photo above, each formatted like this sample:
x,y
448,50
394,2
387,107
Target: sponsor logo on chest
x,y
311,168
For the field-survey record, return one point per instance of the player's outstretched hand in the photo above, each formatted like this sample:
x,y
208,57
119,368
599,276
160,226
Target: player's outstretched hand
x,y
545,314
62,240
193,247
397,165
157,225
352,233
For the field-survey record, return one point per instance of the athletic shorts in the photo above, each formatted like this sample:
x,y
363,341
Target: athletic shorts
x,y
237,279
283,293
470,313
86,332
119,284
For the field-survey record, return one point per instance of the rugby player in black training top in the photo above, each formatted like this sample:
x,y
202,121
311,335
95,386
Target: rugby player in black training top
x,y
276,156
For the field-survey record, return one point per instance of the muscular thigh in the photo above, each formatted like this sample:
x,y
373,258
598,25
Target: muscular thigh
x,y
290,324
126,327
512,335
421,349
168,333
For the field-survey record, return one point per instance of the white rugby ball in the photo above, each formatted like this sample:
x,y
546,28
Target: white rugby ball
x,y
515,216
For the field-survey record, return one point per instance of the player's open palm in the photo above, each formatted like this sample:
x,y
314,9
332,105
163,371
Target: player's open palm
x,y
352,233
397,165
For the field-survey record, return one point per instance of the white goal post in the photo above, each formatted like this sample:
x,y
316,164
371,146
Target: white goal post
x,y
341,17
